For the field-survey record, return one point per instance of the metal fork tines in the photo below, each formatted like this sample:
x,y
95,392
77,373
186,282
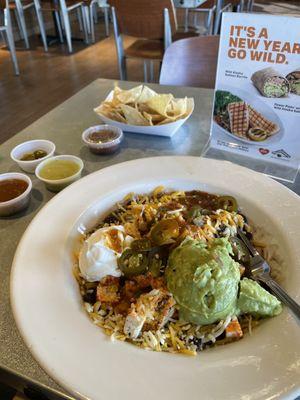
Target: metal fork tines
x,y
257,263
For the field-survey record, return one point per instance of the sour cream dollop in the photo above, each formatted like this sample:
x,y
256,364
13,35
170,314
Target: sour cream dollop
x,y
99,254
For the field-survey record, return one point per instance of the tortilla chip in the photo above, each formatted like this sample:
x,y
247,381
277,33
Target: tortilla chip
x,y
143,106
167,120
112,113
115,101
129,96
145,95
148,117
178,108
160,103
157,118
117,116
133,116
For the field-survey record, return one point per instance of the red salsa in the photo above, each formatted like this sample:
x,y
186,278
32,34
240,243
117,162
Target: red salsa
x,y
104,136
11,188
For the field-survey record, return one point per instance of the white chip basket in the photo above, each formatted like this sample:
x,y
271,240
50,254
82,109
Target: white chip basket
x,y
167,130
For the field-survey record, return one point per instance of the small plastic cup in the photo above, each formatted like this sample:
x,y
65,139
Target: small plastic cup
x,y
106,147
28,147
18,203
55,185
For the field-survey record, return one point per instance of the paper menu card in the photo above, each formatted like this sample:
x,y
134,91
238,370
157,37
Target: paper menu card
x,y
256,112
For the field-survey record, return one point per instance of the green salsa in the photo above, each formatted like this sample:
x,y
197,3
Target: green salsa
x,y
35,155
59,169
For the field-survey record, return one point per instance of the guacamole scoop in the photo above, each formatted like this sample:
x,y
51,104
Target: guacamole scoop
x,y
203,280
255,300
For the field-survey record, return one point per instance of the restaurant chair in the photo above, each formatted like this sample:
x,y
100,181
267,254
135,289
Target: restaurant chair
x,y
92,15
234,5
227,7
198,62
7,33
153,25
208,8
66,7
230,5
150,24
20,6
186,5
249,5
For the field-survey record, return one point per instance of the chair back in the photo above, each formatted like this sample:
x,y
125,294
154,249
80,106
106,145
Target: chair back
x,y
208,4
232,2
143,18
198,62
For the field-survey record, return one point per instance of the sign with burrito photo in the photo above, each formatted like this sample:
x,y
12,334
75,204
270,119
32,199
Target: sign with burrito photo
x,y
256,109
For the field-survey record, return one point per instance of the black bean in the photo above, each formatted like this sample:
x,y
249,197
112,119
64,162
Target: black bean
x,y
245,218
222,228
90,297
196,342
111,219
249,235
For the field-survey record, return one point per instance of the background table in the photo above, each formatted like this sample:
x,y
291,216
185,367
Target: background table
x,y
64,126
190,4
186,5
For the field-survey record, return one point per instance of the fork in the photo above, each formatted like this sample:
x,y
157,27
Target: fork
x,y
260,271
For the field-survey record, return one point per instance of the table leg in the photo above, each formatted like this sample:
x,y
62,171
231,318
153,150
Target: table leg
x,y
59,36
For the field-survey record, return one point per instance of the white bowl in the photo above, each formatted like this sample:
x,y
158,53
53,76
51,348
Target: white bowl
x,y
29,146
18,203
56,185
261,366
157,130
107,147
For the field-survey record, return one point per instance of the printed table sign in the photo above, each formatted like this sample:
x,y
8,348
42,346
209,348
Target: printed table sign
x,y
256,112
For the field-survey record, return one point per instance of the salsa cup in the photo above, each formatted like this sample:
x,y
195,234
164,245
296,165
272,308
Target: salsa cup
x,y
106,147
55,185
18,203
28,147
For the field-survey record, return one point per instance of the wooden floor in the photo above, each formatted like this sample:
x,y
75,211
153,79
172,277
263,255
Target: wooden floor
x,y
47,79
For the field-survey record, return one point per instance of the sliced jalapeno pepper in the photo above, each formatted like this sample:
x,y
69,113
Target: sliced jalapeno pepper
x,y
194,212
39,154
164,232
228,203
133,263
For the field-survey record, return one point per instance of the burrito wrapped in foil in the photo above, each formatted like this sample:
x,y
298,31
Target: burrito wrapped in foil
x,y
294,80
270,83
